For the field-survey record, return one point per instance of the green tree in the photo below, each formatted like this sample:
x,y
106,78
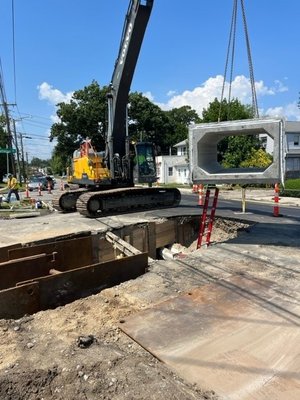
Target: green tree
x,y
164,128
39,163
232,150
59,163
84,116
146,120
239,149
234,110
179,121
257,158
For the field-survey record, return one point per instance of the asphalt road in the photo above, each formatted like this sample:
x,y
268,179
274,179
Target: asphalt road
x,y
255,210
57,224
233,208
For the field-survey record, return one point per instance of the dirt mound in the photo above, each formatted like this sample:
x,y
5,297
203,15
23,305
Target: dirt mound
x,y
29,384
223,230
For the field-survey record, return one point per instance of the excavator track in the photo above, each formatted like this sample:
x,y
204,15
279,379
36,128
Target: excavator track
x,y
66,202
123,200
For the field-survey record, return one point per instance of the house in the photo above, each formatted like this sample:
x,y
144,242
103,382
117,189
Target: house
x,y
292,148
292,134
174,168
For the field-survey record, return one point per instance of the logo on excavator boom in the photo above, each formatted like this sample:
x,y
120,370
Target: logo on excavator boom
x,y
126,42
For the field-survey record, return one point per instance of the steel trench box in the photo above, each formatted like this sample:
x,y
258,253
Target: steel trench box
x,y
80,265
38,276
52,291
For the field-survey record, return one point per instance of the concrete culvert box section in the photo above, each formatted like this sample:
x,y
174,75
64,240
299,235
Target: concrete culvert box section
x,y
203,141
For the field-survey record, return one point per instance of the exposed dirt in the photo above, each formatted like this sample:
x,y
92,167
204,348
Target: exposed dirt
x,y
79,352
222,230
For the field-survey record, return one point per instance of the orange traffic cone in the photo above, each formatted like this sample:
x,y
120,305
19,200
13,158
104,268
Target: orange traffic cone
x,y
201,193
61,185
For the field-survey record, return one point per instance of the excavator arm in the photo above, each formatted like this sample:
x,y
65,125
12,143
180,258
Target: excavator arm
x,y
116,192
135,24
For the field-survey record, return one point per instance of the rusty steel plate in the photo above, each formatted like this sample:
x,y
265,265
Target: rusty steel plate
x,y
239,337
18,301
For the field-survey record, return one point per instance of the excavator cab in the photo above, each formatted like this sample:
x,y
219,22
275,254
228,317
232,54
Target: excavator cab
x,y
144,168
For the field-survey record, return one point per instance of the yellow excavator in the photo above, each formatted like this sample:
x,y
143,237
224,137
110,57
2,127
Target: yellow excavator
x,y
108,180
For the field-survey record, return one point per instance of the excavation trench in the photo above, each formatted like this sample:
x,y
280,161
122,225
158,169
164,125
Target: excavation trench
x,y
46,274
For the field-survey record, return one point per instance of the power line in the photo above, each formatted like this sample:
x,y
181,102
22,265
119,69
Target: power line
x,y
35,116
34,135
13,45
38,124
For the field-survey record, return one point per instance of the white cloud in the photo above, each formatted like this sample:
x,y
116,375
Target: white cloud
x,y
280,87
54,96
149,96
171,93
201,96
54,118
289,111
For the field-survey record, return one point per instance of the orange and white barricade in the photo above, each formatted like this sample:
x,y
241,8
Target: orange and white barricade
x,y
200,194
27,191
49,187
276,200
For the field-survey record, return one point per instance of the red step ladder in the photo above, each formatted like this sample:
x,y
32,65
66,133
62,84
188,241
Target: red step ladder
x,y
206,222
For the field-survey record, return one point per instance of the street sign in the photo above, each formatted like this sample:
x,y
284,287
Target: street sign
x,y
7,151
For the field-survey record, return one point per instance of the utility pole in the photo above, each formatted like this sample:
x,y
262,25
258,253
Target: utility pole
x,y
18,152
7,161
9,136
6,114
27,170
24,171
23,161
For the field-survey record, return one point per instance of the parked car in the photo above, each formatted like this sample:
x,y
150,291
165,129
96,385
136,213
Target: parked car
x,y
5,178
40,181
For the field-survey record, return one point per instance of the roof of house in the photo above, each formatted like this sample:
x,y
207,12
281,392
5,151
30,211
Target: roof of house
x,y
183,143
292,126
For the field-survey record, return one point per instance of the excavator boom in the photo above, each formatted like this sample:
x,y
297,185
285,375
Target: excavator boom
x,y
135,24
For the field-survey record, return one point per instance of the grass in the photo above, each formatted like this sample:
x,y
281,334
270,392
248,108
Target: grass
x,y
291,188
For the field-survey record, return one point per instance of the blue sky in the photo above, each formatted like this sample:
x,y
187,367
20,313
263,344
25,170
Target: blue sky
x,y
62,45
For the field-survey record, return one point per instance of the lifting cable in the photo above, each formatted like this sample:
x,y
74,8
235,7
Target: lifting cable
x,y
231,54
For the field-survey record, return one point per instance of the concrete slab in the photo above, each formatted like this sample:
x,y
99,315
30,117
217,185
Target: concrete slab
x,y
233,336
